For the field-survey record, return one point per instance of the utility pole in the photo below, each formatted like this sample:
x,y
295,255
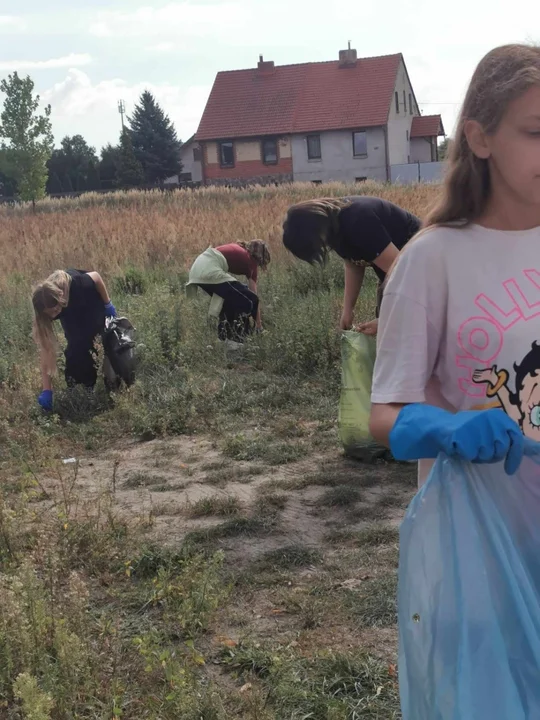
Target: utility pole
x,y
122,111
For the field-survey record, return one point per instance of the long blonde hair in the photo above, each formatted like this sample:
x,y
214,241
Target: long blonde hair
x,y
50,293
258,250
502,76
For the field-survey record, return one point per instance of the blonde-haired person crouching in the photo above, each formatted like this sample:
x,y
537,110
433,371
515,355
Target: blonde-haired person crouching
x,y
80,301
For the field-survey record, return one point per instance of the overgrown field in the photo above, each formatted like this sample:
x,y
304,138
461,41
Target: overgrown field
x,y
210,553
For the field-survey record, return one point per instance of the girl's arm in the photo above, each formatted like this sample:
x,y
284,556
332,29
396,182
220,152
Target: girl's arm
x,y
46,381
354,278
100,287
387,258
252,284
382,421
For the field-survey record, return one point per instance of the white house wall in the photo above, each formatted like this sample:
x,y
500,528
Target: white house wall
x,y
337,160
399,124
189,165
420,150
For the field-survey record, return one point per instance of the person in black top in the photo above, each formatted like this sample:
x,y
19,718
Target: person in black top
x,y
362,230
81,302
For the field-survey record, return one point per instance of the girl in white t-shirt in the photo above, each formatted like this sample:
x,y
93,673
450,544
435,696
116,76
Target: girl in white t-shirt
x,y
459,328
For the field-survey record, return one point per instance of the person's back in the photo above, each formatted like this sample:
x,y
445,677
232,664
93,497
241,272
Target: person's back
x,y
367,225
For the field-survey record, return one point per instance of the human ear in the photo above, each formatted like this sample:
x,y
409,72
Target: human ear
x,y
477,139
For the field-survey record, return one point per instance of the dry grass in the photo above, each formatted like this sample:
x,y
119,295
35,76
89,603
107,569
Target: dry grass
x,y
98,616
150,230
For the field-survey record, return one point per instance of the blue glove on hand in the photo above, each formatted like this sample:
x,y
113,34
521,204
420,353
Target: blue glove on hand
x,y
110,310
45,399
484,436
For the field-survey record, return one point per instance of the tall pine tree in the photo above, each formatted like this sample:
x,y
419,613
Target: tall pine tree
x,y
155,142
129,173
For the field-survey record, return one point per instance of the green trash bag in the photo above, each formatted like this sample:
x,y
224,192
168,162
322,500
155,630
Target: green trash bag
x,y
357,361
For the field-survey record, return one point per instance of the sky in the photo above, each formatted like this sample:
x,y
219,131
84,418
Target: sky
x,y
84,60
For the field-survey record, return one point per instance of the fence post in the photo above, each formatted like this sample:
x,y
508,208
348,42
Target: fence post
x,y
419,173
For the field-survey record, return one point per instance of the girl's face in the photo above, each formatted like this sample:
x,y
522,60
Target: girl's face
x,y
514,151
53,312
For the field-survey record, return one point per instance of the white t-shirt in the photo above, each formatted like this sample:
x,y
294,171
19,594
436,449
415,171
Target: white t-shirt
x,y
460,325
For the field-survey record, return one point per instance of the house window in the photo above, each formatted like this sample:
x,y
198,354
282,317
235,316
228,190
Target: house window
x,y
404,102
226,154
360,144
314,147
410,104
397,102
407,132
196,154
270,152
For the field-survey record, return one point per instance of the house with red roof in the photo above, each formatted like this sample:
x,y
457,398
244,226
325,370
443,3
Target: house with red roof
x,y
349,120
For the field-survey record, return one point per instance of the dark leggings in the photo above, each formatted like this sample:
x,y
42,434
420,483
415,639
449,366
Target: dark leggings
x,y
239,306
81,360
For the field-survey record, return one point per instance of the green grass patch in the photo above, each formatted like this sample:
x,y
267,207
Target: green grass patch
x,y
341,496
290,556
214,505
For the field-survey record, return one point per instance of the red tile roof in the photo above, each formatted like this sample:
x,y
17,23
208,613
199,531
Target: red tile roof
x,y
427,126
311,97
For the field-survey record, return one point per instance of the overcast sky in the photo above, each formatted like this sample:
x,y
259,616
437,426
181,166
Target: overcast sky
x,y
83,61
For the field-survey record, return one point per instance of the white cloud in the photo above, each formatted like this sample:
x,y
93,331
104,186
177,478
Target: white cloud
x,y
80,106
180,19
69,61
162,48
11,22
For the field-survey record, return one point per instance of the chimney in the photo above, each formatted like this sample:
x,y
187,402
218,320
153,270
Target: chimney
x,y
347,58
265,67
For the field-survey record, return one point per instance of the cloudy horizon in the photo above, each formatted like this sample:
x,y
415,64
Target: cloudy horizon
x,y
84,61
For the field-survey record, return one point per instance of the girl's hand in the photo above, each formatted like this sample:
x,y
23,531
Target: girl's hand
x,y
45,400
486,376
346,320
110,310
368,328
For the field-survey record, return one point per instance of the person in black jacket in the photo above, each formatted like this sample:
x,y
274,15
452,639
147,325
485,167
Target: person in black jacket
x,y
362,230
81,302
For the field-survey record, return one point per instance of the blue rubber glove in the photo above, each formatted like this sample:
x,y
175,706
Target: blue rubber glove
x,y
110,310
484,436
45,399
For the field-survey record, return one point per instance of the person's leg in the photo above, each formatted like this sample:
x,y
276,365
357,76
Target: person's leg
x,y
208,289
81,367
241,304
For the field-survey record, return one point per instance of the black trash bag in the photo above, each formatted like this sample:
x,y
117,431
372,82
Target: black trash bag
x,y
119,346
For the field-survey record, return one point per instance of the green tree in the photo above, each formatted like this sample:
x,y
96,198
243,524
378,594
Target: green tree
x,y
76,159
129,172
155,142
27,139
54,185
108,166
444,148
8,186
93,181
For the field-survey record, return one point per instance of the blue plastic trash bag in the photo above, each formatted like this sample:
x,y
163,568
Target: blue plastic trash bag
x,y
469,594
